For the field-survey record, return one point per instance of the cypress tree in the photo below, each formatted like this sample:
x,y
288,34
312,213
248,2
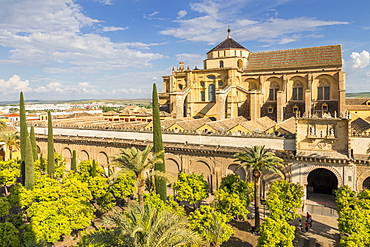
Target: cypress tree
x,y
74,161
51,159
93,169
29,178
160,184
33,143
23,134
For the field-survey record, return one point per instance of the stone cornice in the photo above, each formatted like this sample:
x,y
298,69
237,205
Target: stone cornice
x,y
207,150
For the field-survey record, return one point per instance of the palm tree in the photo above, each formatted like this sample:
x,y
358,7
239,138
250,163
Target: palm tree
x,y
215,230
258,159
3,125
138,162
145,227
11,141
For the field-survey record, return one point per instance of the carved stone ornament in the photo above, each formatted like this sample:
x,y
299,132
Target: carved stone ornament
x,y
321,144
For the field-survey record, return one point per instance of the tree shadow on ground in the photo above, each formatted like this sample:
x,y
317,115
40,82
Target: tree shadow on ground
x,y
329,235
242,236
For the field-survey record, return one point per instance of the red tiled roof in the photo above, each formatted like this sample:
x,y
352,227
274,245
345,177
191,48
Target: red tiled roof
x,y
321,57
12,115
356,101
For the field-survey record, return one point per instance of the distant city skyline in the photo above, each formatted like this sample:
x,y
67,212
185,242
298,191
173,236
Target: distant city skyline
x,y
102,49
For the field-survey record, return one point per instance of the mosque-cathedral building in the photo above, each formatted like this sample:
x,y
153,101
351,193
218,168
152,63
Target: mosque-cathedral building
x,y
292,101
278,84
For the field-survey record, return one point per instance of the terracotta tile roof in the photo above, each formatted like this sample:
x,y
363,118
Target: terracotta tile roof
x,y
110,113
169,122
226,124
358,108
144,114
191,125
126,112
357,104
360,125
356,101
259,125
12,115
288,124
227,44
79,114
321,57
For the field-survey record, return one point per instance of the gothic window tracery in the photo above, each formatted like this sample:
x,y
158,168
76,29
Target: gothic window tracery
x,y
323,90
274,88
297,91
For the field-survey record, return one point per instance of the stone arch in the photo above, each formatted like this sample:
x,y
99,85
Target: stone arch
x,y
39,149
330,168
172,167
103,159
361,179
202,166
295,83
325,79
176,162
231,169
83,155
271,87
274,80
67,155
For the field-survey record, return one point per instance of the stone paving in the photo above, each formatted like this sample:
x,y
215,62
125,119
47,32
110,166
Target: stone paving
x,y
324,232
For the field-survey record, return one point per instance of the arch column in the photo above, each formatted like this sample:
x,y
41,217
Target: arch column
x,y
255,104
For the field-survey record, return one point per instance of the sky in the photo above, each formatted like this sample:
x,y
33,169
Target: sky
x,y
117,49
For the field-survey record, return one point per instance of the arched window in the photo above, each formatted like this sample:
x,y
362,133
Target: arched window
x,y
274,88
211,93
323,90
240,63
221,64
297,91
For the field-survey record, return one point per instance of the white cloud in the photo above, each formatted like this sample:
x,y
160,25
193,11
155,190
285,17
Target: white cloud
x,y
181,14
14,85
360,60
112,29
214,16
154,13
51,33
106,2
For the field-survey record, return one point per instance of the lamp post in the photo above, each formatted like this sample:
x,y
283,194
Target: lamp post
x,y
256,175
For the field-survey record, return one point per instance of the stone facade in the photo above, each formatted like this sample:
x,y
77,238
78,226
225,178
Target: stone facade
x,y
236,82
322,148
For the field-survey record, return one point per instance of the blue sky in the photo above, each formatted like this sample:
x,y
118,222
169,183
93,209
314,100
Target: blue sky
x,y
114,49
